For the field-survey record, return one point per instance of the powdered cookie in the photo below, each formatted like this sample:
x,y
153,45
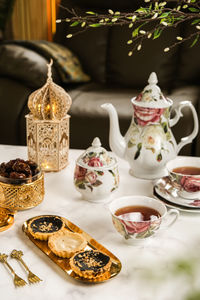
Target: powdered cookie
x,y
66,243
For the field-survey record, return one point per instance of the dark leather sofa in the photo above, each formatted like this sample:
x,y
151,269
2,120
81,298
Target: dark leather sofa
x,y
115,78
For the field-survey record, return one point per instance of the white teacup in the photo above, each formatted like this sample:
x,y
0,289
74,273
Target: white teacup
x,y
188,185
130,226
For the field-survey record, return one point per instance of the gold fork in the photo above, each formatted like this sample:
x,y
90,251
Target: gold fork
x,y
18,281
32,278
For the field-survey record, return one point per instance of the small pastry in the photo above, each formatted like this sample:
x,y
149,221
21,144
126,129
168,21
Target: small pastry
x,y
66,243
43,227
90,264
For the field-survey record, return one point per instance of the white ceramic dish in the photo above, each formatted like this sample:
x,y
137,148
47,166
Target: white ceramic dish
x,y
165,191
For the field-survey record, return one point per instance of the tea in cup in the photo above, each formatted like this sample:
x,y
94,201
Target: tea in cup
x,y
185,173
139,217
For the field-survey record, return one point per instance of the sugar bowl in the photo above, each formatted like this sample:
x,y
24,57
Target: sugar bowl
x,y
96,173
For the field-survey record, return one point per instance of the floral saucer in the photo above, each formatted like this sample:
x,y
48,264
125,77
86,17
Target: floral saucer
x,y
167,191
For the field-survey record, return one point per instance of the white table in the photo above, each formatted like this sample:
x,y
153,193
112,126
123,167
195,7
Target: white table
x,y
147,270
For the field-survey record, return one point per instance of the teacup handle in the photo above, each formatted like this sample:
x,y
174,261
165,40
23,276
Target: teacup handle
x,y
174,214
187,139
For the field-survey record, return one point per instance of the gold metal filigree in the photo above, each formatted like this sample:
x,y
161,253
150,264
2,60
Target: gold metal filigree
x,y
19,197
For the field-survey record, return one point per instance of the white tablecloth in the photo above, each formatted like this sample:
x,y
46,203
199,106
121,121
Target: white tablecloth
x,y
149,272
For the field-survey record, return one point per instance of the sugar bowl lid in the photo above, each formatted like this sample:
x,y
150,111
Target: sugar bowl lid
x,y
151,96
96,157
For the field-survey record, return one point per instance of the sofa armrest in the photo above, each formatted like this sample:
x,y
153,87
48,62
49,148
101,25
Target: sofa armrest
x,y
13,107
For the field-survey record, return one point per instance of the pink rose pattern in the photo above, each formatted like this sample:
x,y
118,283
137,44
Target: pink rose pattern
x,y
91,177
93,159
147,116
139,229
136,227
80,173
190,183
86,178
139,97
95,162
144,115
195,203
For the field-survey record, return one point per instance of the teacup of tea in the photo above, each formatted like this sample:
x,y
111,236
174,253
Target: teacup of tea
x,y
185,173
137,218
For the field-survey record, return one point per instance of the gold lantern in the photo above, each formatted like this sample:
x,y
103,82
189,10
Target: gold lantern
x,y
47,126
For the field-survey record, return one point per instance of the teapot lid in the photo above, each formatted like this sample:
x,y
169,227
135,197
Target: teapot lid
x,y
96,156
151,96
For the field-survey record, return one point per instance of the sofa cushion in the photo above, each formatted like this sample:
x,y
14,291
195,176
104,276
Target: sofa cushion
x,y
11,107
24,65
189,60
66,67
103,51
90,46
133,71
185,125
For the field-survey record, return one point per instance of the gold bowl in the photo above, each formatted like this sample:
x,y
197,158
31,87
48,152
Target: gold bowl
x,y
20,194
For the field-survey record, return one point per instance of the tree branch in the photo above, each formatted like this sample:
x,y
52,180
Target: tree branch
x,y
162,15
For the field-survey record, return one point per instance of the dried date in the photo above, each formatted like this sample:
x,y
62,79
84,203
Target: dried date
x,y
18,169
16,175
22,167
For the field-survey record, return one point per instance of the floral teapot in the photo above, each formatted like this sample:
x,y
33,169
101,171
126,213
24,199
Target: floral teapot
x,y
149,144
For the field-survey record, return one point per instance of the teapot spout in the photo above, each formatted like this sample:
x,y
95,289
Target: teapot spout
x,y
116,140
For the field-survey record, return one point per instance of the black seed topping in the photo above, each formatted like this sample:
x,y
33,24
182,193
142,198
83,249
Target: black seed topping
x,y
91,260
46,224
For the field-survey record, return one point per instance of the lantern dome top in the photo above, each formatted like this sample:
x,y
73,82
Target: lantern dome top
x,y
51,101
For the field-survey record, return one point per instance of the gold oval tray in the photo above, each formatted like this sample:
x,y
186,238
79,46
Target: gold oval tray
x,y
63,263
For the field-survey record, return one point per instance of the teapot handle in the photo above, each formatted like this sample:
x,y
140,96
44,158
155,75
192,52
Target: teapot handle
x,y
187,139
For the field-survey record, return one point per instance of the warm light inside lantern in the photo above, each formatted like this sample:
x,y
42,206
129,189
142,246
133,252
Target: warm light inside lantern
x,y
45,166
48,107
39,108
53,108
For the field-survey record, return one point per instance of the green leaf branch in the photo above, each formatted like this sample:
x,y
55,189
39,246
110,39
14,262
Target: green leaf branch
x,y
161,14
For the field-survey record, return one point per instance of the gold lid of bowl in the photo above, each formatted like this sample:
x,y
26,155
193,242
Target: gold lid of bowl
x,y
6,219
